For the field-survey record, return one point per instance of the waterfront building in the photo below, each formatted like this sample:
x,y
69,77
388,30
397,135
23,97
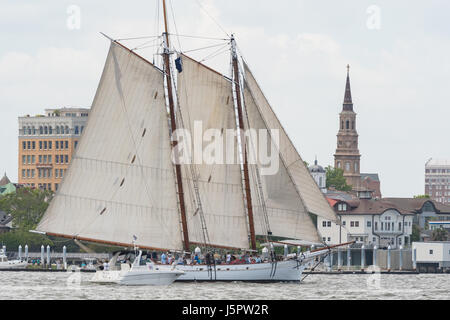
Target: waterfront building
x,y
432,255
382,222
47,144
320,176
437,180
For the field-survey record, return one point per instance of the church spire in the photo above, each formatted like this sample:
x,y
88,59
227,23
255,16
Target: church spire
x,y
348,104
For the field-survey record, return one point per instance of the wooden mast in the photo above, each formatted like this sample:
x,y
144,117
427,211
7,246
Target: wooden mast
x,y
237,87
173,125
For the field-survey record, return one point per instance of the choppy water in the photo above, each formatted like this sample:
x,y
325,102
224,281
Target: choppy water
x,y
43,285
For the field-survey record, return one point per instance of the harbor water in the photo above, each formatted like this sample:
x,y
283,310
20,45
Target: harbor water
x,y
76,285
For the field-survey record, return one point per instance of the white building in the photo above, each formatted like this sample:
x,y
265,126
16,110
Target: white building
x,y
433,254
369,222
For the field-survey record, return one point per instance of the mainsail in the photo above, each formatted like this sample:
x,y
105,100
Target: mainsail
x,y
205,97
306,188
120,185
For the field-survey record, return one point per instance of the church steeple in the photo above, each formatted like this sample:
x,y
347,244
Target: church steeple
x,y
347,156
348,104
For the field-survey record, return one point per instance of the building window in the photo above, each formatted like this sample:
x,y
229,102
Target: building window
x,y
62,129
347,124
49,159
352,223
329,224
77,130
347,166
57,158
343,223
57,144
49,145
356,223
376,226
50,130
339,164
24,145
76,143
324,223
45,145
23,173
329,239
41,130
67,144
431,251
369,224
33,145
24,159
56,173
399,226
324,239
40,145
45,130
56,187
57,129
66,158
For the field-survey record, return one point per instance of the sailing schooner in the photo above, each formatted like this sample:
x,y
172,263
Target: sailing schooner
x,y
126,182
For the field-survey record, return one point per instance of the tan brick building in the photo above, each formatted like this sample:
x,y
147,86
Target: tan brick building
x,y
46,145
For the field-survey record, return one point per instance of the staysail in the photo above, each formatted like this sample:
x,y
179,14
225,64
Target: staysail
x,y
205,98
120,185
286,214
312,198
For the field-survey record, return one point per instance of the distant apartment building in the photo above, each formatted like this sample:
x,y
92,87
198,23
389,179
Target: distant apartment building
x,y
437,180
46,145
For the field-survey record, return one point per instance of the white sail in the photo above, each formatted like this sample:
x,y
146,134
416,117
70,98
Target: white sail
x,y
120,185
206,96
311,196
286,213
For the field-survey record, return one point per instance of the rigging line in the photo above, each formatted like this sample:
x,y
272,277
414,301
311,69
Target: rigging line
x,y
216,53
198,37
194,174
146,43
146,47
319,262
174,23
212,18
136,38
207,47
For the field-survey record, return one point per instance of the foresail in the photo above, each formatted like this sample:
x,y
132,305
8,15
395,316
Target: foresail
x,y
120,184
286,213
205,97
310,194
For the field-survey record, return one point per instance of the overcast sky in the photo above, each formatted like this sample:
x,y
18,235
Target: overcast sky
x,y
398,51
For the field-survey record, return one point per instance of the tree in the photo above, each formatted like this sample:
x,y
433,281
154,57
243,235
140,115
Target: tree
x,y
422,196
335,178
439,234
27,206
415,235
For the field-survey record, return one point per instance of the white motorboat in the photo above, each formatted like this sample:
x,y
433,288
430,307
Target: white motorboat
x,y
137,274
11,264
